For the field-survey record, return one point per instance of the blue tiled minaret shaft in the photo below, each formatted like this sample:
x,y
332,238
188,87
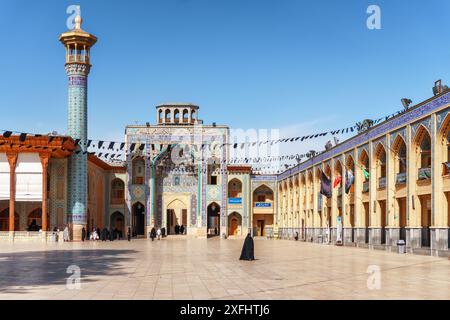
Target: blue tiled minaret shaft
x,y
77,43
77,129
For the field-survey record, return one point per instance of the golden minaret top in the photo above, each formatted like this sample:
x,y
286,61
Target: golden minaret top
x,y
78,43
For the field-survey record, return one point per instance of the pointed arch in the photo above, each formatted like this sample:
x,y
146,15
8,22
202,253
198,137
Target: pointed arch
x,y
296,181
138,170
380,150
310,176
338,167
399,140
235,188
444,141
234,224
422,143
327,170
318,173
380,161
284,185
364,164
349,162
176,204
364,159
213,222
303,178
421,133
264,189
399,153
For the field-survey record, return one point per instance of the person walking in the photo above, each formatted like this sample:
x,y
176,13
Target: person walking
x,y
104,234
158,233
66,234
129,234
83,234
153,234
248,250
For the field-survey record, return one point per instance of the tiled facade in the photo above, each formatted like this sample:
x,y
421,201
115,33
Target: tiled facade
x,y
201,192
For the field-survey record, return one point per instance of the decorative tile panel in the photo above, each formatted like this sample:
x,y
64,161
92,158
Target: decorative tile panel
x,y
394,135
441,117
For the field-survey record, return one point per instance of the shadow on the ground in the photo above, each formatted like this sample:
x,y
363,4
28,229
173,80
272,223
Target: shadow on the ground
x,y
42,268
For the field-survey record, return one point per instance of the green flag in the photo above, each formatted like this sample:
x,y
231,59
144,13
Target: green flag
x,y
366,174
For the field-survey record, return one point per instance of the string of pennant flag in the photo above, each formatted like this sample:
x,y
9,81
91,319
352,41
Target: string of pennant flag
x,y
114,150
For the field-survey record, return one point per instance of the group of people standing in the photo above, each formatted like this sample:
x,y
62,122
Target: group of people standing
x,y
179,229
247,252
103,235
157,233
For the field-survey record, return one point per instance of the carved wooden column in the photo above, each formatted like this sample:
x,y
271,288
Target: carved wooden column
x,y
44,160
12,159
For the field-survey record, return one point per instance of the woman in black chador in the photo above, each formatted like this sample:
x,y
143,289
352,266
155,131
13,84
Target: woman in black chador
x,y
248,252
153,234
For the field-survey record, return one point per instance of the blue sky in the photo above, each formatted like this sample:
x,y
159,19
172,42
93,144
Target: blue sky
x,y
300,66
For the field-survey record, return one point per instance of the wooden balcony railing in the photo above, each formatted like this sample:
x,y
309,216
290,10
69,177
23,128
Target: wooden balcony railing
x,y
424,173
78,58
382,183
401,178
366,186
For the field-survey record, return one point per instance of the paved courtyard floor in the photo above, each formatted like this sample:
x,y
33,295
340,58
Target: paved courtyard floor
x,y
210,269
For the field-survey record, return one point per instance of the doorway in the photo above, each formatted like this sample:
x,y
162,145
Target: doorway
x,y
366,221
260,228
401,205
425,205
176,217
382,207
213,225
138,222
234,224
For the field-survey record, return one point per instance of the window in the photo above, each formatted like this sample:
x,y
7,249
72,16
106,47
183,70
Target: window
x,y
261,198
212,169
366,167
402,159
138,171
176,181
117,191
425,152
383,165
235,189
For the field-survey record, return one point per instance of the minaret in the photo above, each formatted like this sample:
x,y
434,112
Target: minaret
x,y
78,44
